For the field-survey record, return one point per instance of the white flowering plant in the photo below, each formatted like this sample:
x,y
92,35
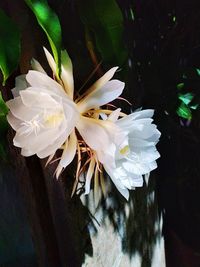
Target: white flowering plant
x,y
48,114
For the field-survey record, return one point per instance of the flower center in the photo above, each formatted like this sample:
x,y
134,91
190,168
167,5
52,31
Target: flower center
x,y
33,125
52,120
124,151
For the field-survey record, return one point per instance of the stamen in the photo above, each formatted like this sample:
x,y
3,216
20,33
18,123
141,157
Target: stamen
x,y
124,99
53,161
49,159
90,76
84,166
54,119
33,125
107,111
124,150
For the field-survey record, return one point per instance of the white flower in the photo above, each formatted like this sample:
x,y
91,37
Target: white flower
x,y
137,155
45,115
41,113
97,134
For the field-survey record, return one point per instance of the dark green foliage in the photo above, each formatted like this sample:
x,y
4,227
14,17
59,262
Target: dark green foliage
x,y
9,45
49,22
104,19
3,126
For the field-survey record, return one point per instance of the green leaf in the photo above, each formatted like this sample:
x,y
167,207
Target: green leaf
x,y
180,85
174,18
3,106
104,18
186,98
49,22
9,46
184,112
3,127
194,107
3,113
66,61
198,71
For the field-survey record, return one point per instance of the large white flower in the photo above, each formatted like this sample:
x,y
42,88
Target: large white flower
x,y
47,116
41,113
99,135
44,115
137,155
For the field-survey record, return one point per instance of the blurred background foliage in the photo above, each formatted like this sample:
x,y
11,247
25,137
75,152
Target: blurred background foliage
x,y
156,44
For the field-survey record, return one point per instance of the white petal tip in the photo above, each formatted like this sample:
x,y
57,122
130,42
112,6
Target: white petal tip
x,y
48,54
45,50
58,171
36,66
126,196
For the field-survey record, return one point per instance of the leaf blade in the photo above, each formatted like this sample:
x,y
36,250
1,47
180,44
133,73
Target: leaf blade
x,y
104,18
9,46
49,22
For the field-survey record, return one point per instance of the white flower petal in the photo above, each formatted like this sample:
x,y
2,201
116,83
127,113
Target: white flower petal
x,y
20,84
98,134
103,116
13,121
146,113
41,80
36,66
143,131
93,133
50,60
139,168
20,111
127,121
51,149
89,175
31,98
117,182
146,177
35,142
124,192
101,96
102,81
155,137
135,180
26,153
70,151
114,115
107,156
138,156
137,143
66,73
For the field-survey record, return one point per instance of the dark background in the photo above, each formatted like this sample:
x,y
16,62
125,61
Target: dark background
x,y
160,49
